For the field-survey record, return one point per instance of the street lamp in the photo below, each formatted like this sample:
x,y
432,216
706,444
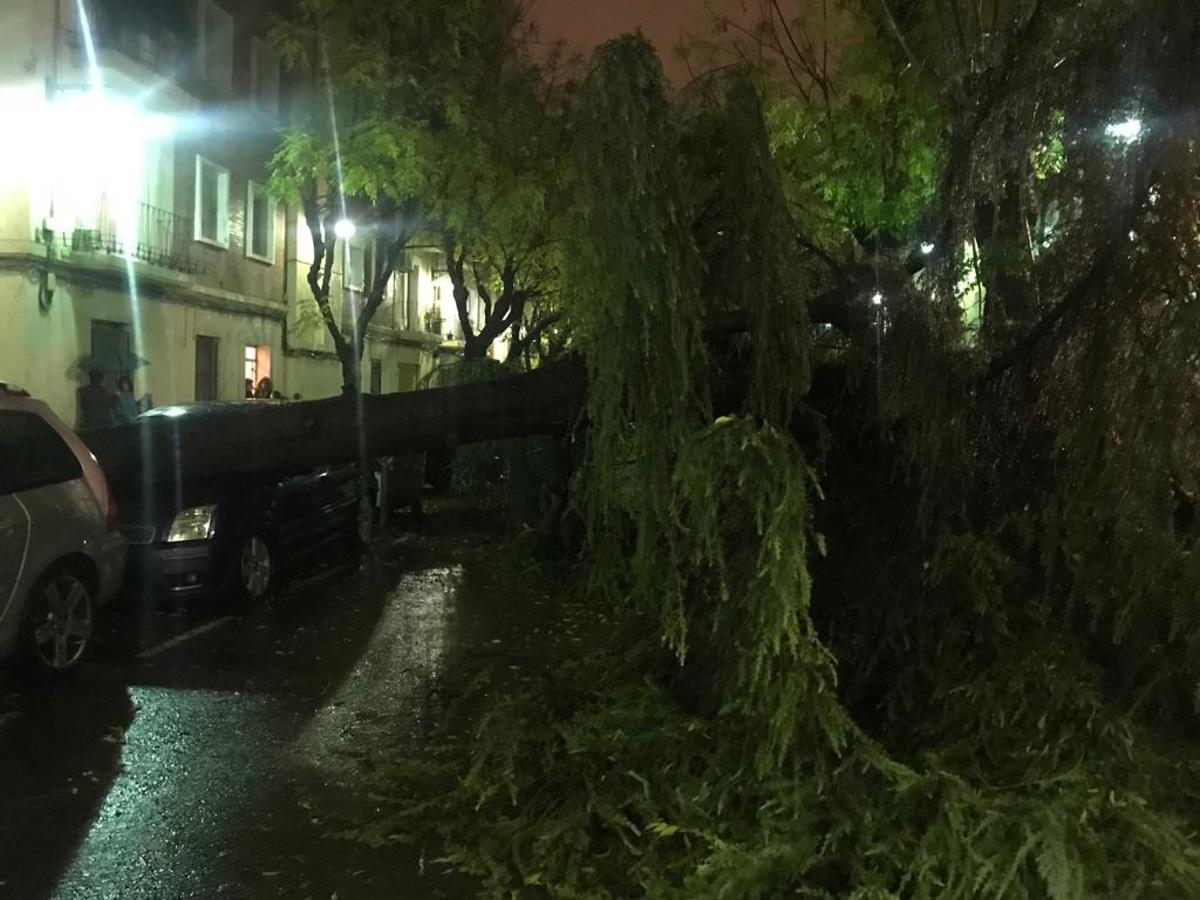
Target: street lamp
x,y
344,229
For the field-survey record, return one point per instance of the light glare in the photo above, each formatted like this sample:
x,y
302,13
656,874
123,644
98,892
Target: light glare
x,y
344,229
1128,131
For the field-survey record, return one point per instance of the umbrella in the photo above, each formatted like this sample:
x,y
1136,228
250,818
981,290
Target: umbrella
x,y
112,361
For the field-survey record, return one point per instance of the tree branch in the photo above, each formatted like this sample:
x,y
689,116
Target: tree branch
x,y
455,263
319,269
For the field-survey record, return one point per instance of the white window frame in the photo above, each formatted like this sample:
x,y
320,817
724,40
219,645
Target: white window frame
x,y
253,188
208,12
356,282
221,238
261,52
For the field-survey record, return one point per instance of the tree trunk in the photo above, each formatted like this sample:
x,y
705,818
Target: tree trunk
x,y
293,437
351,372
475,347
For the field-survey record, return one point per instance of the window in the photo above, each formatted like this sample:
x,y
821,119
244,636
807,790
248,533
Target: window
x,y
32,455
260,223
264,75
212,203
360,265
257,366
206,367
216,46
376,376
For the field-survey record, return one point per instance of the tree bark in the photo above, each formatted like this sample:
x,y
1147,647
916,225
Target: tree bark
x,y
293,437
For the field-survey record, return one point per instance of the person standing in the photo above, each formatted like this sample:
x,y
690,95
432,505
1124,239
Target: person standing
x,y
96,403
126,406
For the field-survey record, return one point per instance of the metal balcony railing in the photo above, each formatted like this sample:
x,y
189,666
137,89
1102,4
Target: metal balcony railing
x,y
159,53
163,238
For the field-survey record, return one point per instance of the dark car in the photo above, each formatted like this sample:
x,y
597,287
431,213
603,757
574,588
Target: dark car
x,y
232,536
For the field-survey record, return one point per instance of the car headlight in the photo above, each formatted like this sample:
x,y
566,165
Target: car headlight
x,y
193,525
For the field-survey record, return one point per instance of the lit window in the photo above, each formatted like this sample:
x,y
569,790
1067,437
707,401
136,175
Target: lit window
x,y
251,359
212,203
216,46
257,366
260,223
264,74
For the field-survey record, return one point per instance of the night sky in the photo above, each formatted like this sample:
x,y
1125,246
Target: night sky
x,y
583,24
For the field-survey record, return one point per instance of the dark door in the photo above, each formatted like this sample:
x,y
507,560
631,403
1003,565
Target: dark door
x,y
110,336
206,367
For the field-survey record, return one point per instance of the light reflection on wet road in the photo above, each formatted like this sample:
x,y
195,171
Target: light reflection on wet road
x,y
394,674
218,767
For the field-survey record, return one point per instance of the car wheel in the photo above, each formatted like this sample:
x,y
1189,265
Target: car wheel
x,y
58,624
253,568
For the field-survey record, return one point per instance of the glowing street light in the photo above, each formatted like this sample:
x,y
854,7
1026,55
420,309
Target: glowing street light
x,y
877,299
344,229
927,247
1128,131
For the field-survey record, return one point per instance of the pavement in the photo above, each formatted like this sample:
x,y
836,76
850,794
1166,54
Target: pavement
x,y
214,752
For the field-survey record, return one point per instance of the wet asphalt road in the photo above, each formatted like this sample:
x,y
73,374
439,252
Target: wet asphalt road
x,y
207,752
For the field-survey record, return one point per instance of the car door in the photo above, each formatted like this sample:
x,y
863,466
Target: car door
x,y
14,541
296,524
40,481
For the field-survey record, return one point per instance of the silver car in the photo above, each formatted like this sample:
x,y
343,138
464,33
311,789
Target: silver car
x,y
61,557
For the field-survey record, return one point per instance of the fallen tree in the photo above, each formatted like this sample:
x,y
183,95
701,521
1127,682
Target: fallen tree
x,y
246,439
251,438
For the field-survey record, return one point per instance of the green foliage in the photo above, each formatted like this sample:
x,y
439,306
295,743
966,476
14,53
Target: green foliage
x,y
634,271
746,235
969,670
865,161
432,119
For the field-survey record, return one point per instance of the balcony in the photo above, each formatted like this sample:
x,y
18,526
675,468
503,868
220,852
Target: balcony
x,y
159,53
163,238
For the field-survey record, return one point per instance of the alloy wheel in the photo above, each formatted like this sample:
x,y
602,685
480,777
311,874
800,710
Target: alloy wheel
x,y
62,622
255,567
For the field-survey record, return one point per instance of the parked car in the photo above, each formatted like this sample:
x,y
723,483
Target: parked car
x,y
61,556
231,536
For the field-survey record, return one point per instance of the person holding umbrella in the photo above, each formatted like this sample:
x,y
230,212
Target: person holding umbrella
x,y
96,402
99,407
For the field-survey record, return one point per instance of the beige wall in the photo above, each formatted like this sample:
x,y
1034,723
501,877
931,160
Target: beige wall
x,y
40,349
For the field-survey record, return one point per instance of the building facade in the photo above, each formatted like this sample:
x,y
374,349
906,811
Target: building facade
x,y
135,217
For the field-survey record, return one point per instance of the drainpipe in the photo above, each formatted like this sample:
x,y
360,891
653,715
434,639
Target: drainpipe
x,y
47,281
